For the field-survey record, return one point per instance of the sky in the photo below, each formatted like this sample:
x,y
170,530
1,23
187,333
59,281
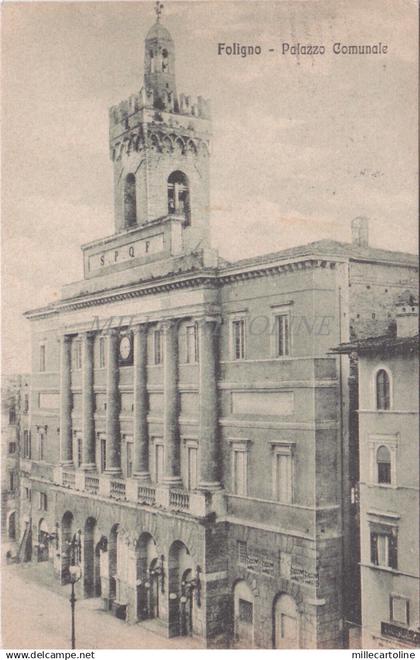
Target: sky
x,y
301,144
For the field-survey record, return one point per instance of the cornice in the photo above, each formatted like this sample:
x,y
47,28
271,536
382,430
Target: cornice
x,y
192,279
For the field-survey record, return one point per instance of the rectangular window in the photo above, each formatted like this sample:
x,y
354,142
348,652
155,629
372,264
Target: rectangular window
x,y
159,467
28,494
384,473
282,476
42,357
26,404
41,446
282,335
12,481
383,549
43,502
238,339
399,610
77,355
240,465
102,353
103,453
129,455
242,552
12,447
157,347
192,467
245,611
12,416
192,343
79,451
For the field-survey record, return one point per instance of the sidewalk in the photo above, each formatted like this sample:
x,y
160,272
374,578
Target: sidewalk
x,y
36,615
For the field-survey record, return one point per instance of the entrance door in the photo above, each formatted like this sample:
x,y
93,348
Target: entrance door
x,y
43,540
186,604
286,623
153,590
243,615
12,526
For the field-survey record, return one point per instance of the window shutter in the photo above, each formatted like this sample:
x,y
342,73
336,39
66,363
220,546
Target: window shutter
x,y
393,551
374,548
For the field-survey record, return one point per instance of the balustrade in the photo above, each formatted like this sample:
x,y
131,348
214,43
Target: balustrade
x,y
92,484
146,494
117,489
179,499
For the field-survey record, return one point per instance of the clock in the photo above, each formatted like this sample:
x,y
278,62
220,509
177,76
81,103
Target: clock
x,y
125,347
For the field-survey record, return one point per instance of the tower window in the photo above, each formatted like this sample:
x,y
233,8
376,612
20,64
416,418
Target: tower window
x,y
165,62
130,205
383,397
179,196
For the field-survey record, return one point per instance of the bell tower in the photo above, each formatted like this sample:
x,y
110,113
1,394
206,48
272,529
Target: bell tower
x,y
159,146
159,62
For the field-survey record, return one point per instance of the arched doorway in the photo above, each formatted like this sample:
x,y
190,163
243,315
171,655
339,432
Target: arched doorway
x,y
113,562
66,545
11,526
149,576
182,590
91,560
43,540
243,615
285,623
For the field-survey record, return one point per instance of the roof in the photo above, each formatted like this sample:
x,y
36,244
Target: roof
x,y
158,31
330,248
377,344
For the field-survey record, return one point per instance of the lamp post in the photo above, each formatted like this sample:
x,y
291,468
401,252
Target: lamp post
x,y
73,548
75,575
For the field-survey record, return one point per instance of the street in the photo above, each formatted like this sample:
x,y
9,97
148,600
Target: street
x,y
37,616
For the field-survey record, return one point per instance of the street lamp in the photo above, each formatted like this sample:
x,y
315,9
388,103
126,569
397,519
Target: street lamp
x,y
75,575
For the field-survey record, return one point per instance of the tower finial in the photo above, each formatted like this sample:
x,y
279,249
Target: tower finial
x,y
158,10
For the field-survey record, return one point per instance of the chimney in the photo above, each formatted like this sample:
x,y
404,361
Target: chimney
x,y
407,315
360,231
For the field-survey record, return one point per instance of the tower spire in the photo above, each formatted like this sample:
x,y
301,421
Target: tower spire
x,y
158,10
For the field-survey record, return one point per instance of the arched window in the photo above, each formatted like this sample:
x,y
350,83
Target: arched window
x,y
383,397
165,61
383,462
130,205
179,196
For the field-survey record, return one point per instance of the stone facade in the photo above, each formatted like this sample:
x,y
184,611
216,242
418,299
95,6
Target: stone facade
x,y
191,425
14,429
388,486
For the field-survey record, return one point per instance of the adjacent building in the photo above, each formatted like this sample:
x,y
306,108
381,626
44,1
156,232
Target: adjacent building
x,y
389,480
14,419
190,444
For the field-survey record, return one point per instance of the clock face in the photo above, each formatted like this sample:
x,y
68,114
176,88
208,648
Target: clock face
x,y
125,348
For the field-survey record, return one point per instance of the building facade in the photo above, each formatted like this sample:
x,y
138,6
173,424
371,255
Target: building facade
x,y
190,428
14,420
389,480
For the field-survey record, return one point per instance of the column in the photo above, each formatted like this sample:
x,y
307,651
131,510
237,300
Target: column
x,y
171,403
141,438
88,422
113,444
208,434
66,449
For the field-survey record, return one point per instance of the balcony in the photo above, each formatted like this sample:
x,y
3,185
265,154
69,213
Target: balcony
x,y
68,479
146,495
117,489
198,504
179,500
91,484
